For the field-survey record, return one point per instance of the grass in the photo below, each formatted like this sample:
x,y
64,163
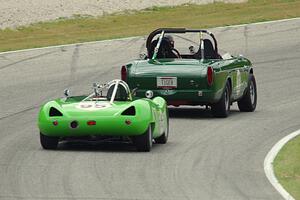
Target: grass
x,y
134,23
287,167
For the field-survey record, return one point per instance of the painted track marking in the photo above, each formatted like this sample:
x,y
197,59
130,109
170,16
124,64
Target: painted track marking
x,y
268,164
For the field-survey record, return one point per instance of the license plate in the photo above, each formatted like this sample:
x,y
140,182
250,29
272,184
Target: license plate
x,y
166,82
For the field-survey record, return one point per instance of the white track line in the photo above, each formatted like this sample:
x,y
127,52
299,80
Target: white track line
x,y
128,38
268,164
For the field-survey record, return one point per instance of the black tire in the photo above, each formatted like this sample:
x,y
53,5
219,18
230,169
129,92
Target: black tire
x,y
164,137
48,142
248,102
221,109
144,142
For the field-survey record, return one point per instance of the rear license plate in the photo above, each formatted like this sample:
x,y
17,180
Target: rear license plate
x,y
166,82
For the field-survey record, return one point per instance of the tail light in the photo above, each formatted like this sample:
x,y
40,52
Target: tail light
x,y
55,123
91,123
124,73
210,75
127,122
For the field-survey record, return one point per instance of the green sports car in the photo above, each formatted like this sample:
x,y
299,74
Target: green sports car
x,y
109,112
197,74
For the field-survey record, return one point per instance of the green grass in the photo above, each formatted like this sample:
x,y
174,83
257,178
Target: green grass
x,y
133,23
287,167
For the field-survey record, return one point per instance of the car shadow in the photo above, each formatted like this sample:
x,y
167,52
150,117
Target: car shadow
x,y
103,146
96,146
189,112
196,113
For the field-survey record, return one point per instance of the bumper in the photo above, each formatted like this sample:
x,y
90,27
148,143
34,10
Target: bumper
x,y
186,97
108,126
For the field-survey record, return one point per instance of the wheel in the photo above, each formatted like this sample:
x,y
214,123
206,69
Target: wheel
x,y
248,102
48,142
221,109
144,142
164,137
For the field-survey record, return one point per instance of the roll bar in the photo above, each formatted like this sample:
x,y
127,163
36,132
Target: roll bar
x,y
178,30
100,87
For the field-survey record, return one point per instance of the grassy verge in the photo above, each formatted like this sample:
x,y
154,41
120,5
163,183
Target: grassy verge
x,y
287,167
83,29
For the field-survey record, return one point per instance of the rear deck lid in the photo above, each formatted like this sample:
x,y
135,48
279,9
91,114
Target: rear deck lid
x,y
179,74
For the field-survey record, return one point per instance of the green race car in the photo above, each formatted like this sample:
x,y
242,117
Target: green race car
x,y
194,75
109,112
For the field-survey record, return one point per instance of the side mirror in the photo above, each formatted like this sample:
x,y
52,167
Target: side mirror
x,y
96,87
67,93
133,92
143,56
192,49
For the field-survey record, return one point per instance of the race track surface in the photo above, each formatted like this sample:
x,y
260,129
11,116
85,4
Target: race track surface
x,y
205,158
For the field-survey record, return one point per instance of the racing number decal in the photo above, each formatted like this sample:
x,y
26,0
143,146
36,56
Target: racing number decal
x,y
86,106
92,106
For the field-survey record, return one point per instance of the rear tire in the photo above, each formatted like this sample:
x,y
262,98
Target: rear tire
x,y
164,137
48,142
144,142
221,109
249,100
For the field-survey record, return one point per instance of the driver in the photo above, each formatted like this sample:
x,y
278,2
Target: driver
x,y
170,39
173,53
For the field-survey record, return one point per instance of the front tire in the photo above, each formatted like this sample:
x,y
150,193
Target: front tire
x,y
144,142
221,109
249,100
48,142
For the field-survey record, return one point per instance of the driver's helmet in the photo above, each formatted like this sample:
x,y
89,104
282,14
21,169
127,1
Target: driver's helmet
x,y
170,40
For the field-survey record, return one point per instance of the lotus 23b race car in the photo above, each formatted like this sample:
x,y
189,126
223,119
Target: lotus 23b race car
x,y
195,75
109,111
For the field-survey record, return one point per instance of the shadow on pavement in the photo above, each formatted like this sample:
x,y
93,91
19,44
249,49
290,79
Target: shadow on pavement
x,y
189,112
103,146
194,112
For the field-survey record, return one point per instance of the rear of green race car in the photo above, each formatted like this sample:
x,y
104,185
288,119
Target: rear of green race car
x,y
180,82
73,121
62,119
215,83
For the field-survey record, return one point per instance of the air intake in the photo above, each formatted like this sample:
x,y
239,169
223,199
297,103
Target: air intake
x,y
129,111
54,112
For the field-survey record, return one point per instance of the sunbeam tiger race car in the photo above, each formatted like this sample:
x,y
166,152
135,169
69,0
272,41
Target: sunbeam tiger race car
x,y
192,71
109,111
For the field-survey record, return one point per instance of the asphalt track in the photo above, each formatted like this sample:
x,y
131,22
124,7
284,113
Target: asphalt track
x,y
205,158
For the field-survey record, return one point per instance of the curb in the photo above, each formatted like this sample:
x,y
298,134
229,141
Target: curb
x,y
268,164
